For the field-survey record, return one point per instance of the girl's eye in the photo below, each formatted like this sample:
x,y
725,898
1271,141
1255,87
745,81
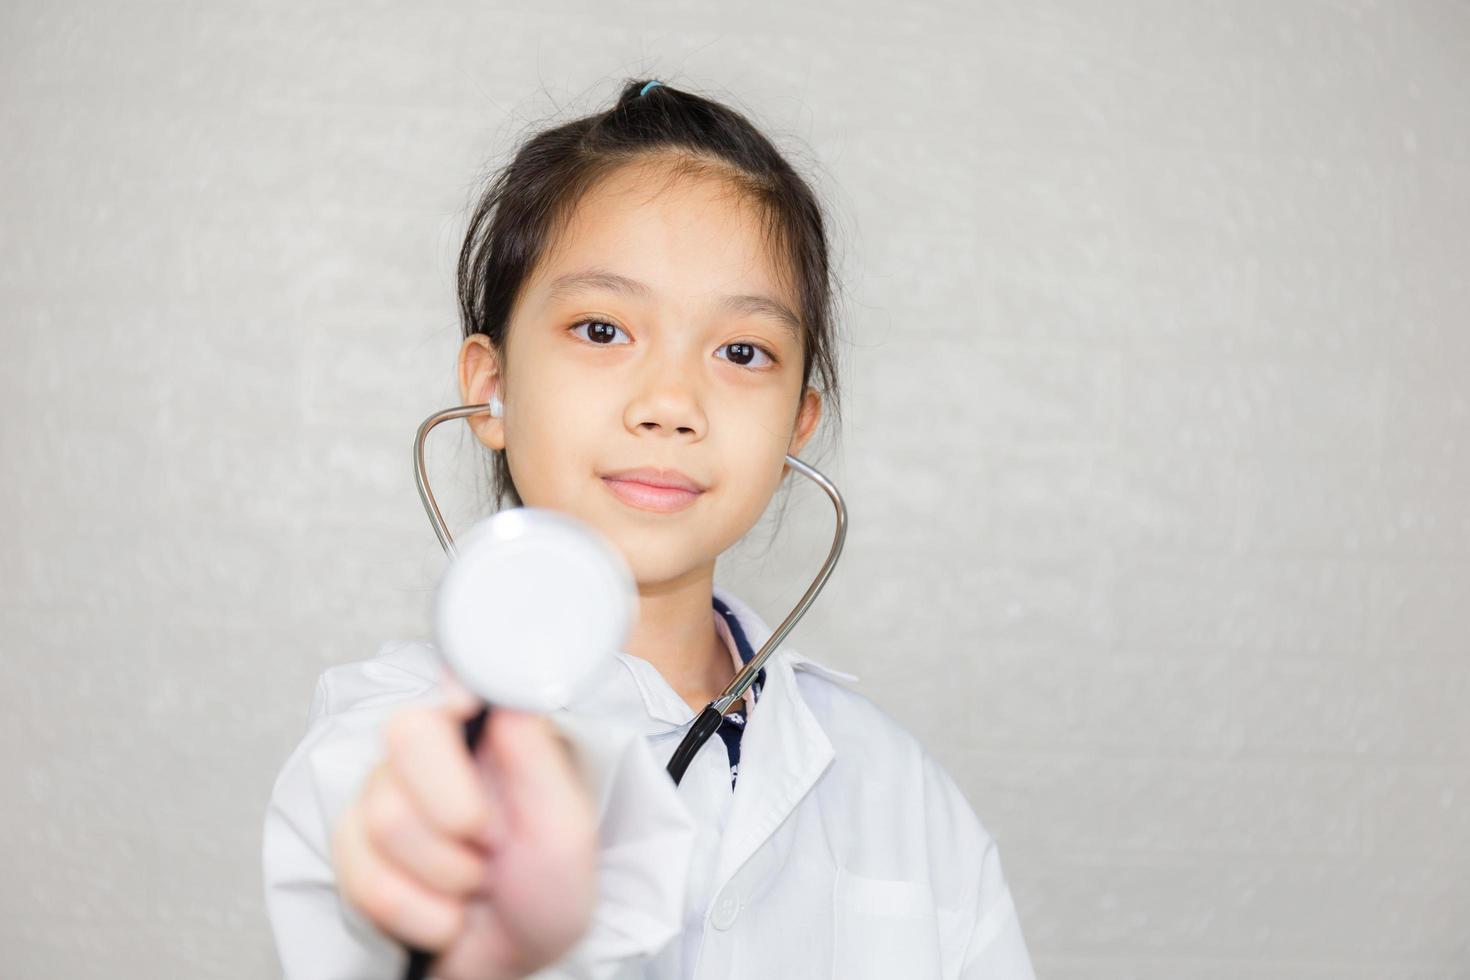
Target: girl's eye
x,y
602,332
743,354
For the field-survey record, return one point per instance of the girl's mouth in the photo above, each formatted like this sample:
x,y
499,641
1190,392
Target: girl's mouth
x,y
663,500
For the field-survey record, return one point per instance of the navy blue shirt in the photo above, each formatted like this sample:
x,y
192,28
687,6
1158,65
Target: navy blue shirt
x,y
734,722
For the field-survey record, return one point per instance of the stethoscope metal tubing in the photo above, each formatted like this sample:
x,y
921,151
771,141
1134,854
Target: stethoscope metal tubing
x,y
716,709
707,722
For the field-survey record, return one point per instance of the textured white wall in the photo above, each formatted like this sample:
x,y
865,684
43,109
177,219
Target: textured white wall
x,y
1158,448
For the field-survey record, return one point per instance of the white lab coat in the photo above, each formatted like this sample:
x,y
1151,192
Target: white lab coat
x,y
844,851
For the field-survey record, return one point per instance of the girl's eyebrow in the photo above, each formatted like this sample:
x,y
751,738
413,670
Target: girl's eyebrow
x,y
571,283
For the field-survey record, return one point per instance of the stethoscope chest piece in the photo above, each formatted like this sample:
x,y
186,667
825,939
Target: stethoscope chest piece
x,y
532,607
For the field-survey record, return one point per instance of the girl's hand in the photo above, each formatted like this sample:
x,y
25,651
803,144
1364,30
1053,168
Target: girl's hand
x,y
489,861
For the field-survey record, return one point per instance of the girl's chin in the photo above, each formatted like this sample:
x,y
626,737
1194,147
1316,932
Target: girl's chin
x,y
658,564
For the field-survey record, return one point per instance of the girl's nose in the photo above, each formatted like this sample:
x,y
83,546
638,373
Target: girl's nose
x,y
668,403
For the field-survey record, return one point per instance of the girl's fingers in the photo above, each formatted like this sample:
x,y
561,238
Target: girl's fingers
x,y
394,902
425,748
400,834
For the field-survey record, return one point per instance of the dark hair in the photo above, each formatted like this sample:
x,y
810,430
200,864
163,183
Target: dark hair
x,y
530,200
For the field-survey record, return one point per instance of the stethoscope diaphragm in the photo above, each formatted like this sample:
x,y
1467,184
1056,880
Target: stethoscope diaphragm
x,y
533,605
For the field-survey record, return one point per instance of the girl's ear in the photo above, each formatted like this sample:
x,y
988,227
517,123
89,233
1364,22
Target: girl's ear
x,y
479,378
806,421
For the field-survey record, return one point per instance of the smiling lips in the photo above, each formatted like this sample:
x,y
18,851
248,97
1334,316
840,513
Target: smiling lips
x,y
663,491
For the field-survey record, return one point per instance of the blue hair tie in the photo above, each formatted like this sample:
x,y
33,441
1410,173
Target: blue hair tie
x,y
649,86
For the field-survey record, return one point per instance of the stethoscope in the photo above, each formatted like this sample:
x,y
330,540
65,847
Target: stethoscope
x,y
507,580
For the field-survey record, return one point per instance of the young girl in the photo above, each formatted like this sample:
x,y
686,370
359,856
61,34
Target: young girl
x,y
646,297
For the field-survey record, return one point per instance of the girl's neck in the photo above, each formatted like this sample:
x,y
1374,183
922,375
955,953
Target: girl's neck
x,y
675,632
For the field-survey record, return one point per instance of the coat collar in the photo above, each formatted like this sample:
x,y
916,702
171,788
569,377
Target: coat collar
x,y
784,748
667,711
757,632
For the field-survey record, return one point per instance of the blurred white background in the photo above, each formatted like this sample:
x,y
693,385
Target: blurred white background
x,y
1157,446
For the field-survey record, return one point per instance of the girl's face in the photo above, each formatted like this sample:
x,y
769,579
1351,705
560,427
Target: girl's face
x,y
654,333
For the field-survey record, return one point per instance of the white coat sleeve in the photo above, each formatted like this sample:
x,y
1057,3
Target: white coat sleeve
x,y
646,833
980,913
996,949
317,934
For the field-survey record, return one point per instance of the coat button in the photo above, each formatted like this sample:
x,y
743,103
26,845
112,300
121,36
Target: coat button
x,y
722,916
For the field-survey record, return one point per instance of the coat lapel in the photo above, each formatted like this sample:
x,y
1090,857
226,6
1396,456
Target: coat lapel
x,y
783,750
